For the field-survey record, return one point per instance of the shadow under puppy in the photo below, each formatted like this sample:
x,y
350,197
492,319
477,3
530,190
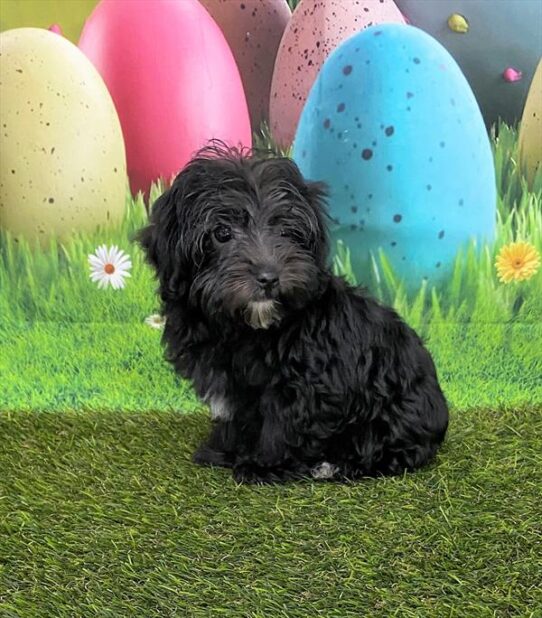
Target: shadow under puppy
x,y
304,374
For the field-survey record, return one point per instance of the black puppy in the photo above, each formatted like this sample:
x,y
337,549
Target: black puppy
x,y
305,375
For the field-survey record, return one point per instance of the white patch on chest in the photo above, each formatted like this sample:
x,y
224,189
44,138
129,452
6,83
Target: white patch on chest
x,y
219,409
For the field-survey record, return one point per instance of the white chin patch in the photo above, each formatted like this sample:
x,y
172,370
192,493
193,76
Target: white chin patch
x,y
324,470
261,313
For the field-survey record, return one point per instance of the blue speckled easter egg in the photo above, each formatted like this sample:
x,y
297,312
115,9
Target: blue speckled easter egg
x,y
393,128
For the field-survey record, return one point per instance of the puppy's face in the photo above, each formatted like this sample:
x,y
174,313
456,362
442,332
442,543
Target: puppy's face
x,y
239,236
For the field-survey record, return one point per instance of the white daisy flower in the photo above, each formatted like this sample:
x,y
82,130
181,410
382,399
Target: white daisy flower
x,y
109,267
156,321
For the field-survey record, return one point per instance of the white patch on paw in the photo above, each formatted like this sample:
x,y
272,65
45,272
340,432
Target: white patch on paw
x,y
219,409
325,470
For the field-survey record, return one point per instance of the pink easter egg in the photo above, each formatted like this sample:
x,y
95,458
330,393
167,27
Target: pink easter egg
x,y
315,30
173,80
253,29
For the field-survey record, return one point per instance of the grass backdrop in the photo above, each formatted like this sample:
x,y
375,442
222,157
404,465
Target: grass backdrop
x,y
65,344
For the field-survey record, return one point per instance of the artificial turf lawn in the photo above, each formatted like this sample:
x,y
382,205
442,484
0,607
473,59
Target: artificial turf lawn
x,y
102,514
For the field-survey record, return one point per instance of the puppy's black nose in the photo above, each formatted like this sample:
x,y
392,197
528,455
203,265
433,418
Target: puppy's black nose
x,y
267,279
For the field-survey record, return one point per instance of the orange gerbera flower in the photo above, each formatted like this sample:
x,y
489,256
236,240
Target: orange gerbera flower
x,y
517,261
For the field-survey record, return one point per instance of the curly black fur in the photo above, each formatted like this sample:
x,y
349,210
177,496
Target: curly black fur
x,y
305,375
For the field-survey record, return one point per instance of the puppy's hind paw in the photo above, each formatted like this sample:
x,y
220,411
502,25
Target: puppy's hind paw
x,y
324,471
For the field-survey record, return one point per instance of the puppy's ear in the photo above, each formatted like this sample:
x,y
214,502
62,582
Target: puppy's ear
x,y
161,241
316,194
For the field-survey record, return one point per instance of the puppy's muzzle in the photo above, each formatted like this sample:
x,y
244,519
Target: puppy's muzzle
x,y
268,279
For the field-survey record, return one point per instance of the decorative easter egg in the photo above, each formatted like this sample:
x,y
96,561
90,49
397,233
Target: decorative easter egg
x,y
62,153
394,129
253,29
316,28
173,79
67,16
497,44
530,134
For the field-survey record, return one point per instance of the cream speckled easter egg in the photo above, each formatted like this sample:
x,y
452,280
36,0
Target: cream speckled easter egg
x,y
63,161
315,30
530,135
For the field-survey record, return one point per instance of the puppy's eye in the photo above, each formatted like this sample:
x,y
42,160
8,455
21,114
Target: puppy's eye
x,y
222,233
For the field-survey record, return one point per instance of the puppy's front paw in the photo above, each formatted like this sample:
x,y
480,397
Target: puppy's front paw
x,y
250,473
206,456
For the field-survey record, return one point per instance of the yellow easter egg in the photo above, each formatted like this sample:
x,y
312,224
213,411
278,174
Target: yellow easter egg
x,y
63,164
530,134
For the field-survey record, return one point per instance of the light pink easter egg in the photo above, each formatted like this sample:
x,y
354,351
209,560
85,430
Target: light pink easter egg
x,y
317,27
173,80
253,29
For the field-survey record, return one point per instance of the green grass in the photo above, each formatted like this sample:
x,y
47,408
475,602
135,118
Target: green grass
x,y
65,344
102,514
